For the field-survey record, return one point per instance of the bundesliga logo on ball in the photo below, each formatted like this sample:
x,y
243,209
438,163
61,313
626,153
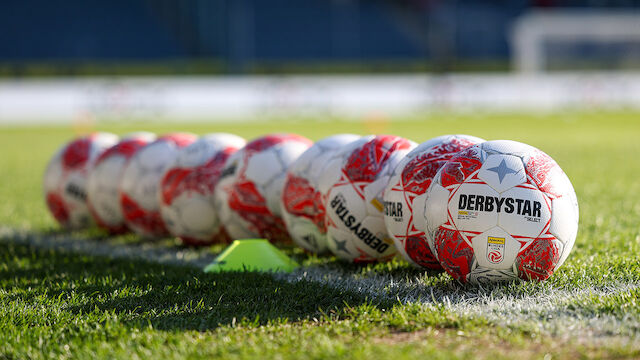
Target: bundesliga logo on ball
x,y
501,210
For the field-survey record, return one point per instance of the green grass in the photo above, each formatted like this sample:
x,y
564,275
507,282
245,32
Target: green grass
x,y
56,304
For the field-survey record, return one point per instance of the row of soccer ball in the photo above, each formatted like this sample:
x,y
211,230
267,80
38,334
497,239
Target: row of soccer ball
x,y
480,210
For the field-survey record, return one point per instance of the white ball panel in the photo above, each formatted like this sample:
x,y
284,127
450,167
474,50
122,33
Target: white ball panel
x,y
143,135
156,156
306,160
419,216
340,245
100,142
565,250
130,176
195,154
171,219
103,189
564,222
273,194
317,166
238,228
495,249
530,212
196,213
54,173
263,167
467,210
502,172
145,191
507,147
288,152
435,210
220,141
306,234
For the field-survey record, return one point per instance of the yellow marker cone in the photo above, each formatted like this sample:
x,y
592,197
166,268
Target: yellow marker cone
x,y
251,255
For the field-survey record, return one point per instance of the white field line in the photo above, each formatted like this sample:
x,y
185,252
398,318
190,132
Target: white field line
x,y
547,311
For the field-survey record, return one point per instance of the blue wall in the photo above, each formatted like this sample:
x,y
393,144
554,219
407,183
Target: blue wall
x,y
246,31
74,29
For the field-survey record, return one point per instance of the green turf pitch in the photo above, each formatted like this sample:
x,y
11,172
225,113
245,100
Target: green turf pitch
x,y
63,305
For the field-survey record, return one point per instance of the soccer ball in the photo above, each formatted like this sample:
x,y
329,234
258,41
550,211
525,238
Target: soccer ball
x,y
104,181
501,210
355,224
409,183
141,182
65,179
187,187
333,167
301,205
248,193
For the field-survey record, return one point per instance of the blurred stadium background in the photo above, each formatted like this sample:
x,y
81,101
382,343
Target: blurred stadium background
x,y
213,60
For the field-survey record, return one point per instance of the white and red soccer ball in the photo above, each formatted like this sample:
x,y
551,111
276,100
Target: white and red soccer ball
x,y
248,193
187,189
355,226
140,184
332,172
104,181
501,210
302,204
410,180
65,179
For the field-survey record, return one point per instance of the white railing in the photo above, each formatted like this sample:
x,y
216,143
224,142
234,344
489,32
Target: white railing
x,y
531,31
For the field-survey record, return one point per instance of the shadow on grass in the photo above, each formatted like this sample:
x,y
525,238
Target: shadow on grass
x,y
167,297
93,234
173,297
101,235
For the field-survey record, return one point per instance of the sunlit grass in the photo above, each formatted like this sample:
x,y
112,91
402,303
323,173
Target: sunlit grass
x,y
61,305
